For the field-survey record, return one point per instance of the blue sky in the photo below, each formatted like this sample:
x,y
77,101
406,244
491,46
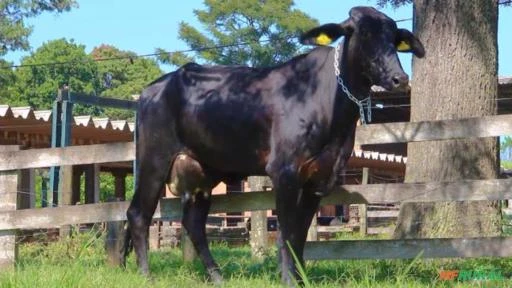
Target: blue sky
x,y
141,26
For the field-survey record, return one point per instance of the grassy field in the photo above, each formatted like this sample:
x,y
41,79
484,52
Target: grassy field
x,y
80,262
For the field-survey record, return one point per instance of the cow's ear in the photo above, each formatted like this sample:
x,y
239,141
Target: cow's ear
x,y
407,42
326,34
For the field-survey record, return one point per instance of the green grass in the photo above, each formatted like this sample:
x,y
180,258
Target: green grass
x,y
506,164
80,262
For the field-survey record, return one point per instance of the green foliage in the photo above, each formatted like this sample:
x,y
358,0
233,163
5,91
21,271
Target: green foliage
x,y
6,80
107,187
71,66
14,31
128,76
506,164
506,142
37,86
266,27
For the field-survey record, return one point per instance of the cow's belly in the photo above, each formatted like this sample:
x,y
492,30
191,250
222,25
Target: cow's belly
x,y
227,143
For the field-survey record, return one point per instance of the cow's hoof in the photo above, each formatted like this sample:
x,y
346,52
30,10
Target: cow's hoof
x,y
215,277
290,282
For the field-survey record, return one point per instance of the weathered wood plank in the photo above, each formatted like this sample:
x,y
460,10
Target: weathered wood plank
x,y
258,233
114,241
383,214
66,215
362,209
102,101
73,155
170,209
66,194
8,201
370,134
409,248
470,190
490,126
26,189
381,230
187,247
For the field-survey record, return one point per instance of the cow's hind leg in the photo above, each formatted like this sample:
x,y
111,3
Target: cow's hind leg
x,y
195,213
189,180
152,174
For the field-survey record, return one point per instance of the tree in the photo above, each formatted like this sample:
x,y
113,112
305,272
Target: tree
x,y
6,81
266,27
458,79
14,31
123,77
65,63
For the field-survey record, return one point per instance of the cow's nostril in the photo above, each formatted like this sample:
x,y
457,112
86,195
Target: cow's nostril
x,y
400,80
396,81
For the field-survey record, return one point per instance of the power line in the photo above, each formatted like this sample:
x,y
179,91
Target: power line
x,y
403,20
500,2
131,57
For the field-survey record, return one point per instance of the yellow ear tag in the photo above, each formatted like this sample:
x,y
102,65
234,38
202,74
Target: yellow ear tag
x,y
323,39
403,46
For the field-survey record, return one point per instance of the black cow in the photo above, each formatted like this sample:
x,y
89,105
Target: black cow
x,y
294,122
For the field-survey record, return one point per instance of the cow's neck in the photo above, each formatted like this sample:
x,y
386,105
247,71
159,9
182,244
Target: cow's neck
x,y
353,73
354,80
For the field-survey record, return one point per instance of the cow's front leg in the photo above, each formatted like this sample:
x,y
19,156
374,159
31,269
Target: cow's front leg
x,y
195,213
296,206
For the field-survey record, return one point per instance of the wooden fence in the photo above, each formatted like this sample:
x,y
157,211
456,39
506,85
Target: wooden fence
x,y
169,209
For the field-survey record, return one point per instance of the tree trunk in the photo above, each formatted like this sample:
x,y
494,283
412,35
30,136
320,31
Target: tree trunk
x,y
456,79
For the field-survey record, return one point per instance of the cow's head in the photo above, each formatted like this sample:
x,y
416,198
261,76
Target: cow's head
x,y
372,41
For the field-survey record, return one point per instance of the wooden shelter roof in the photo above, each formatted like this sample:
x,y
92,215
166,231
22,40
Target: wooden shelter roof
x,y
32,128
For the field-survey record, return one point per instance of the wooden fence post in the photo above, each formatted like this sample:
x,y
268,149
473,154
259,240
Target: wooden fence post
x,y
154,235
258,234
114,241
313,230
61,136
92,178
26,189
362,209
66,194
187,248
76,183
120,185
8,199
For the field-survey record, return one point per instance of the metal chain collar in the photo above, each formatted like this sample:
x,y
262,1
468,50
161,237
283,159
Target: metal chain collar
x,y
367,102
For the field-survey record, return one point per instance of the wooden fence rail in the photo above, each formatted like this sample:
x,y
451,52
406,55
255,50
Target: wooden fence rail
x,y
401,132
170,208
409,248
72,155
491,126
